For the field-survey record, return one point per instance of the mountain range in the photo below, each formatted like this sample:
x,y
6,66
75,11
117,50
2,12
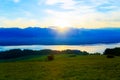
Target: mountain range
x,y
49,36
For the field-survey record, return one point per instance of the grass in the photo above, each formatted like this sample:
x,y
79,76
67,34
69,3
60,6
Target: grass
x,y
62,68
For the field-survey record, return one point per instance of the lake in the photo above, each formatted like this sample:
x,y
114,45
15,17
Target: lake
x,y
89,48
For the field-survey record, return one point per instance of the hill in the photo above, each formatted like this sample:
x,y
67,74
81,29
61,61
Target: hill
x,y
49,36
63,67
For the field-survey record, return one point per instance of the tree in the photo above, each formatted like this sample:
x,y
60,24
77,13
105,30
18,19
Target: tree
x,y
114,51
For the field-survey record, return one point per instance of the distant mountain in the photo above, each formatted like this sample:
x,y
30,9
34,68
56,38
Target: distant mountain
x,y
48,36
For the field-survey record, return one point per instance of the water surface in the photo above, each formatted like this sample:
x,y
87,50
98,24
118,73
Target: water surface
x,y
89,48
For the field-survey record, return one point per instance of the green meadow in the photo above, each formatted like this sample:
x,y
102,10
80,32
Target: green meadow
x,y
63,67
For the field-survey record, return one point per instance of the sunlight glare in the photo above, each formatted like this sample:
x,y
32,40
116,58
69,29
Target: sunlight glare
x,y
62,26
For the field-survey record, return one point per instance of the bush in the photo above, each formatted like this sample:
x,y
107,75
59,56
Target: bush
x,y
50,57
110,56
96,53
114,51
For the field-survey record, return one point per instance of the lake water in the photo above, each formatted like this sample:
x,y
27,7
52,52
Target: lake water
x,y
89,48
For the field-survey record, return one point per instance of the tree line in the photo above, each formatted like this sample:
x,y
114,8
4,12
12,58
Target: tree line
x,y
112,51
16,53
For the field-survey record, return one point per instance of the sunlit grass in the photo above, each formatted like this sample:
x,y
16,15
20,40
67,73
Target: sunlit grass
x,y
62,68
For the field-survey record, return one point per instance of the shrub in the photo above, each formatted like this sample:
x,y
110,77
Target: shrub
x,y
114,51
50,57
110,56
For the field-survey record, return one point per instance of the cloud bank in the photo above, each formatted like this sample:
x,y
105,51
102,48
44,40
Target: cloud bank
x,y
68,13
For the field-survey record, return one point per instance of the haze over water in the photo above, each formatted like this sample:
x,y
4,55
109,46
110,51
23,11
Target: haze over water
x,y
89,48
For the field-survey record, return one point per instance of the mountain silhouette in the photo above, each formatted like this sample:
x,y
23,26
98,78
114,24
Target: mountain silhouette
x,y
49,36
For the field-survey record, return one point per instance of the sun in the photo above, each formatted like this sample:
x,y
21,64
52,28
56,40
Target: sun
x,y
62,26
62,23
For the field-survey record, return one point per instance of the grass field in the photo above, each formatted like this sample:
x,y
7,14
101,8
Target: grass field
x,y
62,68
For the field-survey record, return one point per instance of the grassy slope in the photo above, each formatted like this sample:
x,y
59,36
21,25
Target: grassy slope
x,y
62,68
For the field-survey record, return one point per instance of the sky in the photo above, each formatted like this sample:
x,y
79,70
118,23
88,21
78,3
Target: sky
x,y
60,13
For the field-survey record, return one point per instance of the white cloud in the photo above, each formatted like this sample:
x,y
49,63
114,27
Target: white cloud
x,y
19,22
68,4
86,19
110,17
72,4
65,4
85,13
16,1
78,13
52,2
40,2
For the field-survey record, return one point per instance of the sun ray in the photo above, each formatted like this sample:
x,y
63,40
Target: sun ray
x,y
62,26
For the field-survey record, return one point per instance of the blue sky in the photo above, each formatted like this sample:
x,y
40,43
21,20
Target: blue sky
x,y
60,13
